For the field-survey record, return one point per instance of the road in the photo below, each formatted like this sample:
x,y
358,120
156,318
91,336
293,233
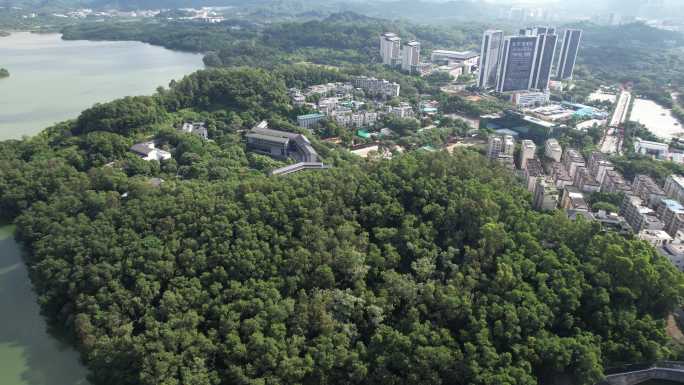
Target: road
x,y
612,140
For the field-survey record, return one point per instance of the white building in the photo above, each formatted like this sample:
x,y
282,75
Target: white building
x,y
501,148
572,160
468,58
390,48
404,110
527,151
309,120
529,99
410,56
657,238
656,149
376,87
195,128
553,150
149,151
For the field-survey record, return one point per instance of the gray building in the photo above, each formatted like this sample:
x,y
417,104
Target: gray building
x,y
568,53
546,52
517,63
280,144
490,56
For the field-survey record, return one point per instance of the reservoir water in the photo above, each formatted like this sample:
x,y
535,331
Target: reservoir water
x,y
52,80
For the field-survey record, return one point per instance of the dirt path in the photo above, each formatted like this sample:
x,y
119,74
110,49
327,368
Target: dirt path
x,y
673,330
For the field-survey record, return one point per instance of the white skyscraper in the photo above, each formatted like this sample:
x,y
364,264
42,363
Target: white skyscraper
x,y
490,56
410,56
390,48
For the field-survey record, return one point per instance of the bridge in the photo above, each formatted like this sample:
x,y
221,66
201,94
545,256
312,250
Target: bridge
x,y
299,167
664,370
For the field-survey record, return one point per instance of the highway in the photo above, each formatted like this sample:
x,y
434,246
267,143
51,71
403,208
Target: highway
x,y
612,139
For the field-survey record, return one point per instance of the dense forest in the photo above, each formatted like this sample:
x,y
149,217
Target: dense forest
x,y
427,268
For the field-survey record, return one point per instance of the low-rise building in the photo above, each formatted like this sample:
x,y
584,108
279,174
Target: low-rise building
x,y
553,150
195,128
675,253
309,120
280,144
529,99
149,151
657,238
655,149
403,110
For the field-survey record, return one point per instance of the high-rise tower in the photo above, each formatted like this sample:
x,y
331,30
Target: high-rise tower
x,y
568,53
490,56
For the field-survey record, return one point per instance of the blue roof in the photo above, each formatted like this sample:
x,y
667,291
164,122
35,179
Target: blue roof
x,y
307,116
673,205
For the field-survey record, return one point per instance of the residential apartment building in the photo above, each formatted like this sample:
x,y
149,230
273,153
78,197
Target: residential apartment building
x,y
553,150
531,172
648,190
586,182
545,195
527,152
671,213
410,56
613,182
674,187
639,216
598,165
310,120
573,199
501,148
403,110
466,58
559,176
572,160
376,87
390,49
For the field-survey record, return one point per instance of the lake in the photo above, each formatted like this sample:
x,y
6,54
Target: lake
x,y
52,80
28,354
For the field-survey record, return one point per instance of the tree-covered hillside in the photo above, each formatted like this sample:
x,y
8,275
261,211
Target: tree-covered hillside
x,y
430,268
